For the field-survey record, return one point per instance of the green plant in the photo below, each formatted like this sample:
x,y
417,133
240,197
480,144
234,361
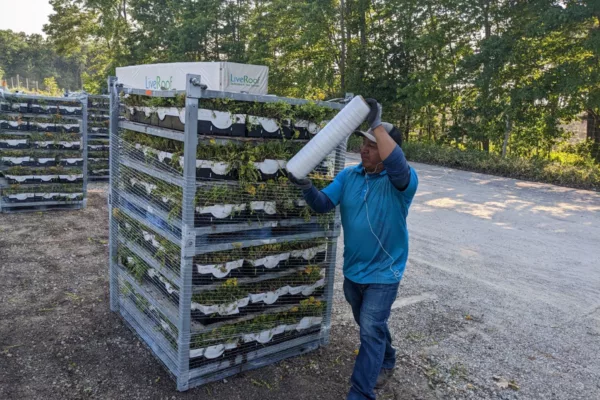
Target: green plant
x,y
50,188
219,194
99,154
97,165
314,113
54,137
279,110
230,291
354,144
168,254
537,169
225,333
5,136
43,171
51,86
132,262
98,142
7,117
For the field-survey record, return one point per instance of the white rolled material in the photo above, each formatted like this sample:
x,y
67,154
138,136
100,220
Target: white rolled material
x,y
334,133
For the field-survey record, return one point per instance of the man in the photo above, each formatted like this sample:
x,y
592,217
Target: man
x,y
374,198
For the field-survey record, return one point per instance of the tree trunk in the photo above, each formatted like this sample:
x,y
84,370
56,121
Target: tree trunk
x,y
593,126
485,8
349,62
593,132
363,38
506,136
343,55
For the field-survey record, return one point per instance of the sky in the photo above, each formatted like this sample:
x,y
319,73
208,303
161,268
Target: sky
x,y
27,16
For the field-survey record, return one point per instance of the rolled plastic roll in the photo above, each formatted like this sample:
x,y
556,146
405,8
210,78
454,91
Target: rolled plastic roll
x,y
332,135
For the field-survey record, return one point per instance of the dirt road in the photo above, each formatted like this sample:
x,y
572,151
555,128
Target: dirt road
x,y
503,282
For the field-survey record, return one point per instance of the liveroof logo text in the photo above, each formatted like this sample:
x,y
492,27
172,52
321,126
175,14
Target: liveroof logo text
x,y
158,84
243,80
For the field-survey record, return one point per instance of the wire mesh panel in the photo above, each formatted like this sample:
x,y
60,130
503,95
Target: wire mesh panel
x,y
43,154
217,262
98,144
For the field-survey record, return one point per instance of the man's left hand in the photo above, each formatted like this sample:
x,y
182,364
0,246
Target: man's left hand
x,y
374,117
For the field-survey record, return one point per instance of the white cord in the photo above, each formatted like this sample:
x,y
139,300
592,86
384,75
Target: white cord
x,y
395,272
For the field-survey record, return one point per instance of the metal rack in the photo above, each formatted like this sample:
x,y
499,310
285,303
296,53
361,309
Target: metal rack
x,y
98,114
167,328
32,195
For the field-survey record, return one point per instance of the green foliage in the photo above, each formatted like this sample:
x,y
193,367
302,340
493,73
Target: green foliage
x,y
43,171
48,188
54,137
308,307
132,262
536,169
354,143
230,291
450,72
35,58
52,87
279,110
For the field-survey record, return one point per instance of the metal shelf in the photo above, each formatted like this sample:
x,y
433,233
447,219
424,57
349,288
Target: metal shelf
x,y
153,172
247,317
246,281
197,240
217,94
211,248
152,130
179,136
169,309
254,359
152,93
45,116
154,296
151,261
98,178
153,339
26,133
41,149
154,210
212,229
167,235
45,98
7,167
41,203
246,226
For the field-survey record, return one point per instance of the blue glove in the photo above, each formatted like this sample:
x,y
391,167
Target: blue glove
x,y
374,116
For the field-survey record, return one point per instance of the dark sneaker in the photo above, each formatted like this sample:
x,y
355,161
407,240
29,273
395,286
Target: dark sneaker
x,y
385,375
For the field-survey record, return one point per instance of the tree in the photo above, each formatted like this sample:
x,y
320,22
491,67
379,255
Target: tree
x,y
496,75
52,87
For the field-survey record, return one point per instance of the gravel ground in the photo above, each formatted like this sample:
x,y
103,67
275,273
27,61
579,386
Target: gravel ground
x,y
503,289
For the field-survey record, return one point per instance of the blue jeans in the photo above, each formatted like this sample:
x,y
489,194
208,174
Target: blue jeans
x,y
371,305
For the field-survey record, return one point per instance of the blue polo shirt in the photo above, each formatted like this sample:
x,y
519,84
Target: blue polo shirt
x,y
364,259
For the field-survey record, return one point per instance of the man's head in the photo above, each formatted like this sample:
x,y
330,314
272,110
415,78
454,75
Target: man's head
x,y
369,153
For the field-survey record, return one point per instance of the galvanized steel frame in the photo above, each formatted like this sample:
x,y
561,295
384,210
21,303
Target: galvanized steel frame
x,y
189,236
54,205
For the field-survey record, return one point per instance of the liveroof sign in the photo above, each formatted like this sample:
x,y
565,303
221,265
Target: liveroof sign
x,y
225,76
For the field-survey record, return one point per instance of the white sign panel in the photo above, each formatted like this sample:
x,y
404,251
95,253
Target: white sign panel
x,y
245,78
223,76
